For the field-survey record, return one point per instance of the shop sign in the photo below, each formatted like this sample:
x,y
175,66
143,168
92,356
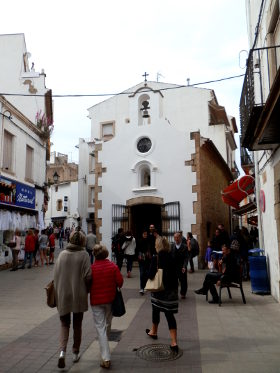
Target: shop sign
x,y
16,194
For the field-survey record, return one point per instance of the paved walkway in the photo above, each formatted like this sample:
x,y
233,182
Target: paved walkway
x,y
231,338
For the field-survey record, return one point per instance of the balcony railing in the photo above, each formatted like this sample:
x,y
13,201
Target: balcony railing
x,y
262,66
245,157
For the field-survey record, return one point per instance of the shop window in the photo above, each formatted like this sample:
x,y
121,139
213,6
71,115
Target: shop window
x,y
59,205
8,151
29,163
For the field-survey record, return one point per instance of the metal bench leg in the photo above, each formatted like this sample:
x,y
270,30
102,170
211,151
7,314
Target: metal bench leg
x,y
242,293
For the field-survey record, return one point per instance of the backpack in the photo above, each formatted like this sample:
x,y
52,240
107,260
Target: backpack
x,y
195,247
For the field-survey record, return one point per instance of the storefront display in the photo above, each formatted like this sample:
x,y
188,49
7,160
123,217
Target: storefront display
x,y
17,211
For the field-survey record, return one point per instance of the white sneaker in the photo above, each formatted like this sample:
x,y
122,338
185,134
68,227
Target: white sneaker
x,y
76,357
61,360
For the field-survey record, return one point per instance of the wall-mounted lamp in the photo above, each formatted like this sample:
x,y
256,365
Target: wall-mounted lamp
x,y
144,109
55,177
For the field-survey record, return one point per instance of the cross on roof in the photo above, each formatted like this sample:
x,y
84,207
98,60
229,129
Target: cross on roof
x,y
145,76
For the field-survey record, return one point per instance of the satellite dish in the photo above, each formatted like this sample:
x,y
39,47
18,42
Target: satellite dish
x,y
28,54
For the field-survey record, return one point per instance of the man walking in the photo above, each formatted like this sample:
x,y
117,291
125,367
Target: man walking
x,y
90,242
193,249
179,252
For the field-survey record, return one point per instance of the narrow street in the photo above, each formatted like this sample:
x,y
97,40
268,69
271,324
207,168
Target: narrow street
x,y
232,338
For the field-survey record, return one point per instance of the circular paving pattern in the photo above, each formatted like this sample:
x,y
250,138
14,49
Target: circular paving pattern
x,y
157,352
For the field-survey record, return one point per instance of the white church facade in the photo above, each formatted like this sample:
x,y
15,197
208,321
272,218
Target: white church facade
x,y
159,153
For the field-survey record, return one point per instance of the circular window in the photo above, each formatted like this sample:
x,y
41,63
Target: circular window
x,y
144,145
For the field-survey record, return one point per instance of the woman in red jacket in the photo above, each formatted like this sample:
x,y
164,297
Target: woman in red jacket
x,y
106,277
29,248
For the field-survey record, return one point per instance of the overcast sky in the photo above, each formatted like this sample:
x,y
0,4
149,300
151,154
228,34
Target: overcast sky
x,y
97,47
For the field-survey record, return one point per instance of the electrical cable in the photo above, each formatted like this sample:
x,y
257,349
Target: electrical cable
x,y
121,93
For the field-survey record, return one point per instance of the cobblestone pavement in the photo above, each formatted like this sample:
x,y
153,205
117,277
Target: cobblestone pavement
x,y
232,338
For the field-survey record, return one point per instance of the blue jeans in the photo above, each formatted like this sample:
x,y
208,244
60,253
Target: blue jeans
x,y
27,256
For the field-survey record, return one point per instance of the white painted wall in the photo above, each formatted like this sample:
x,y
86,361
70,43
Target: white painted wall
x,y
265,177
268,222
174,114
69,189
13,77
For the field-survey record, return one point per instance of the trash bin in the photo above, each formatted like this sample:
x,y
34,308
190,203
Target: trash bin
x,y
256,252
258,275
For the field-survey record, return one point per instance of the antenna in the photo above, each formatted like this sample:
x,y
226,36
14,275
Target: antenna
x,y
159,75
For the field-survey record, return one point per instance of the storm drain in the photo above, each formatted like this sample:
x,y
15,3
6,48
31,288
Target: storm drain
x,y
157,352
115,336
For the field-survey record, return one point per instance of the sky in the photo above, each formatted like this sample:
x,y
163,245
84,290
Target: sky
x,y
95,47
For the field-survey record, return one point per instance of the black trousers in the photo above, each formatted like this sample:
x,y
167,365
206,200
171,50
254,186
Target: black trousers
x,y
171,321
183,279
209,284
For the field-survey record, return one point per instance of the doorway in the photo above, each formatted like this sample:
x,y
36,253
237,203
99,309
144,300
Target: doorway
x,y
142,216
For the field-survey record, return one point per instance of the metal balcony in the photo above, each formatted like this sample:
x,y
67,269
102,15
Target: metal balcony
x,y
260,99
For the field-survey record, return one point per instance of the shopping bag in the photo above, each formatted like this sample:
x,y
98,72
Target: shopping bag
x,y
51,302
118,307
156,284
21,254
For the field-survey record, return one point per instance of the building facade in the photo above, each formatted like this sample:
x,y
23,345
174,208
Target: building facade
x,y
160,154
26,123
62,178
260,132
63,205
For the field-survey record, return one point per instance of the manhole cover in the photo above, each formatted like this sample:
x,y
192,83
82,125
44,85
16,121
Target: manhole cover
x,y
157,352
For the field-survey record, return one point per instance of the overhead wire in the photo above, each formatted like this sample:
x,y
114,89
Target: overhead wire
x,y
124,92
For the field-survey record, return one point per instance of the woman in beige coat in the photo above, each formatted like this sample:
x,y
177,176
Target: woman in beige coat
x,y
72,277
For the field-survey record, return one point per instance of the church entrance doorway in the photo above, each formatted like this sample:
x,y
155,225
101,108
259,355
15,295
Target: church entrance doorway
x,y
139,213
142,216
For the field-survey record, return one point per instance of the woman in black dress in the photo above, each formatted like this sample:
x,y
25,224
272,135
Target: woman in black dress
x,y
165,301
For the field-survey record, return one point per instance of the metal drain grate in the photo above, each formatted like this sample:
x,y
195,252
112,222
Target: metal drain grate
x,y
115,335
157,352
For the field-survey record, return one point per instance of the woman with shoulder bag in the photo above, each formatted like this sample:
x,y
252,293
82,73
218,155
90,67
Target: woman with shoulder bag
x,y
72,278
165,301
106,277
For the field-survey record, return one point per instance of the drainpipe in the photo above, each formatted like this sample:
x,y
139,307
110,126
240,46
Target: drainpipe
x,y
257,194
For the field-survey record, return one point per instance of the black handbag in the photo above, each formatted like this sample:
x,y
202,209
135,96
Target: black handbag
x,y
118,307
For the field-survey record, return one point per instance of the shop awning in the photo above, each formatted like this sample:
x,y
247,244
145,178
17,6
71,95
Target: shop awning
x,y
234,193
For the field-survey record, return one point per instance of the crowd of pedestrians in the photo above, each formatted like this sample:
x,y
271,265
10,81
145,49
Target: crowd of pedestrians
x,y
83,272
36,248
